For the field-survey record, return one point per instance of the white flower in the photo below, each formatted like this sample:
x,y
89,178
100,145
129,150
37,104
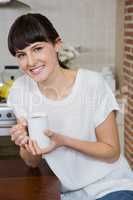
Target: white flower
x,y
67,53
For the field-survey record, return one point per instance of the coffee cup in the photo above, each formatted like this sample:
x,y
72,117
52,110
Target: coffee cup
x,y
37,124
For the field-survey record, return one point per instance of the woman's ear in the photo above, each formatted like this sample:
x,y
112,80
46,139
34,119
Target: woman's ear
x,y
58,43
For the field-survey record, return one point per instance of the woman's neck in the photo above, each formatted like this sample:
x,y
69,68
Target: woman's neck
x,y
54,79
59,84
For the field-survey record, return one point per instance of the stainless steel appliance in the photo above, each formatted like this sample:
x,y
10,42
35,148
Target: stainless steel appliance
x,y
10,71
7,119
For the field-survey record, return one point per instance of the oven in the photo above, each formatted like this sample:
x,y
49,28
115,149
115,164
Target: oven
x,y
7,119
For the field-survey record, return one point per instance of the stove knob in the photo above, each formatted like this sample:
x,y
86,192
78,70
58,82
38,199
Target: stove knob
x,y
9,115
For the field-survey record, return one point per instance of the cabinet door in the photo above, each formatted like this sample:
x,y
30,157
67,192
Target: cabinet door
x,y
8,149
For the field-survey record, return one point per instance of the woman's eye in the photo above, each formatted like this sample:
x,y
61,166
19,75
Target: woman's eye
x,y
38,49
20,56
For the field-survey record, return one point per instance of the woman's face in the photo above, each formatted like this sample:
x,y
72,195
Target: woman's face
x,y
38,60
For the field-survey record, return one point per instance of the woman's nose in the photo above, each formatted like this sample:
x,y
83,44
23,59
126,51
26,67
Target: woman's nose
x,y
31,60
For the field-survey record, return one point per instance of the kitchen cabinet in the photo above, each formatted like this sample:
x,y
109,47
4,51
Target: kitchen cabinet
x,y
7,119
8,149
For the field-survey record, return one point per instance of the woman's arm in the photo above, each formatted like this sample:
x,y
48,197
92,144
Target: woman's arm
x,y
106,148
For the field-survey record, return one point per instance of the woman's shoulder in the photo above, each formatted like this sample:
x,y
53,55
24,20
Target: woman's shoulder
x,y
91,77
22,81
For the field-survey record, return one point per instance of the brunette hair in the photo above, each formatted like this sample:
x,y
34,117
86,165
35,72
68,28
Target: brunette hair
x,y
30,28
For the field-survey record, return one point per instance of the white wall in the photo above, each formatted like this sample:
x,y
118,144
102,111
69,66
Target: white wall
x,y
7,16
88,23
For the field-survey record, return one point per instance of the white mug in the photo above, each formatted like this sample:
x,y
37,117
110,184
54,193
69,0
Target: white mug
x,y
37,124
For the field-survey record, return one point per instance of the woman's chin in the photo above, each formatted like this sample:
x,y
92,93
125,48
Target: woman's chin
x,y
38,78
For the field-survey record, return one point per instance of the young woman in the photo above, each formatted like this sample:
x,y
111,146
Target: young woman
x,y
84,151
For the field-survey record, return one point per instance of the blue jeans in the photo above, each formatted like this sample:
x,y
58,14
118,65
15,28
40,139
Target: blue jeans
x,y
119,195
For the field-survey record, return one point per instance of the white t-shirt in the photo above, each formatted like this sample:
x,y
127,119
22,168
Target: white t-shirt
x,y
77,116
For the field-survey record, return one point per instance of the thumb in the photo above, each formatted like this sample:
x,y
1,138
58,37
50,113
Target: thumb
x,y
50,148
48,133
22,121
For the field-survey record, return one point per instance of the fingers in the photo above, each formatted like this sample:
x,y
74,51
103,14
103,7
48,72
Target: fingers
x,y
20,140
33,148
26,146
15,128
16,133
37,148
25,140
19,134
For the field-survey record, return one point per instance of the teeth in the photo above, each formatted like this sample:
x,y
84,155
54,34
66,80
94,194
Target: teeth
x,y
36,70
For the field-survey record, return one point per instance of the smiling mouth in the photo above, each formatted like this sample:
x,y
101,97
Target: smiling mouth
x,y
36,70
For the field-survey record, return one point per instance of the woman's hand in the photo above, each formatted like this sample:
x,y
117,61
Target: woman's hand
x,y
57,140
19,136
19,132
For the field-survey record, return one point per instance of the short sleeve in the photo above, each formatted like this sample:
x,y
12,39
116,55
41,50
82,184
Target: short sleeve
x,y
105,102
16,100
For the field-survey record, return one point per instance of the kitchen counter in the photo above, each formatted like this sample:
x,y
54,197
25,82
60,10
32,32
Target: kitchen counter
x,y
18,181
